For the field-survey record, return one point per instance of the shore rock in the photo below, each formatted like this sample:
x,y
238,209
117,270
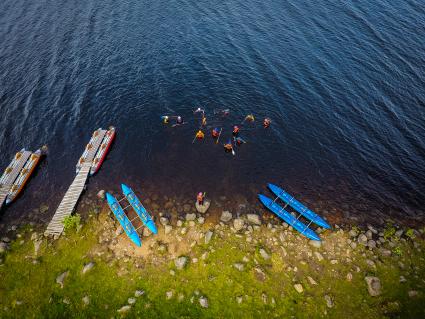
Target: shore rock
x,y
124,309
88,267
203,301
3,247
208,236
238,224
203,208
139,293
190,217
131,301
315,243
329,301
373,285
254,219
61,278
169,294
164,221
264,254
180,262
226,216
259,274
239,266
167,229
362,239
299,288
86,300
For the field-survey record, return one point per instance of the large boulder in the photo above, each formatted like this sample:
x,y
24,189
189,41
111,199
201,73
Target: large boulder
x,y
88,267
61,278
254,219
203,208
373,285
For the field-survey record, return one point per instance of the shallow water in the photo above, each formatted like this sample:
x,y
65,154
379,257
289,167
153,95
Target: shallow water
x,y
342,81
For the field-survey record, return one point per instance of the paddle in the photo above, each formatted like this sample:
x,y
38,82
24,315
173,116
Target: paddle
x,y
194,139
219,134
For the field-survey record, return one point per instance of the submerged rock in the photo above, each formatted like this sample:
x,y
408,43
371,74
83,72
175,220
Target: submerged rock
x,y
226,216
315,243
101,194
373,285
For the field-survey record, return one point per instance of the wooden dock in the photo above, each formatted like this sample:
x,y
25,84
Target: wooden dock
x,y
70,200
6,185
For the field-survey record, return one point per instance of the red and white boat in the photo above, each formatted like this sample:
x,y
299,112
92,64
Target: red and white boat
x,y
103,151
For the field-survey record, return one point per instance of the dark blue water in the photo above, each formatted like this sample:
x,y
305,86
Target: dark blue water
x,y
342,81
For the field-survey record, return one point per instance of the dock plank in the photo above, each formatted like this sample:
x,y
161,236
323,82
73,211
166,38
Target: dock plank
x,y
17,168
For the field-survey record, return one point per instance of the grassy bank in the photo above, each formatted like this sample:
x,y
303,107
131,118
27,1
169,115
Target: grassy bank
x,y
250,273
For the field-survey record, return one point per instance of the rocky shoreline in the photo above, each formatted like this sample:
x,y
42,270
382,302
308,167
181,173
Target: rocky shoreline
x,y
245,245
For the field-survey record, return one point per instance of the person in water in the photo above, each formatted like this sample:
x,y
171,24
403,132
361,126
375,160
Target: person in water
x,y
228,147
200,135
235,130
215,133
250,118
239,141
266,122
179,120
199,110
200,198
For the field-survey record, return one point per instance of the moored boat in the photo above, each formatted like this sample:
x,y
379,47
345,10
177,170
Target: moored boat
x,y
84,157
24,175
6,174
103,150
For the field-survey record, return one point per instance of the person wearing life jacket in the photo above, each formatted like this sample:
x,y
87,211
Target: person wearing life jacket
x,y
204,121
239,141
199,110
200,198
215,133
228,147
200,135
250,118
165,119
266,122
235,130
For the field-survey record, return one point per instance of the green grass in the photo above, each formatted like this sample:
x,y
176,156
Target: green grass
x,y
215,278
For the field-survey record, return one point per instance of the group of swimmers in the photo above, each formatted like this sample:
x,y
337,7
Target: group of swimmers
x,y
216,132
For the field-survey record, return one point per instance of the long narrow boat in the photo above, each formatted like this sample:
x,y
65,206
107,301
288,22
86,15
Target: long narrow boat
x,y
116,208
91,147
103,150
287,217
300,208
6,174
138,207
24,175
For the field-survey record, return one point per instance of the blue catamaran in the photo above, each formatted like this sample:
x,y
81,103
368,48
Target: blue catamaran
x,y
300,208
126,224
138,207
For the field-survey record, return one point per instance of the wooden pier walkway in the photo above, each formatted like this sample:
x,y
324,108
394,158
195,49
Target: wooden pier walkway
x,y
69,201
6,185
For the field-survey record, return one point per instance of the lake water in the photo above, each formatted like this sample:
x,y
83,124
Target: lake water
x,y
342,81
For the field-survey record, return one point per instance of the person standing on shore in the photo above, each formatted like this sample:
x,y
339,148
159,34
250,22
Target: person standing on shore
x,y
200,198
